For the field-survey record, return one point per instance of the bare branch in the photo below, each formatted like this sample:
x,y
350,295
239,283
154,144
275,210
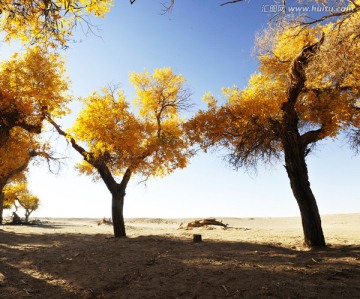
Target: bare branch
x,y
168,7
230,2
354,139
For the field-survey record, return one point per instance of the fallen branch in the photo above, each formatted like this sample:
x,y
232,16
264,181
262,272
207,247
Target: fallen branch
x,y
105,221
203,222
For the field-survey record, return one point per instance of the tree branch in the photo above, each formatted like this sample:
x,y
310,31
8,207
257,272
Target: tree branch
x,y
15,171
125,179
297,71
230,2
88,157
98,163
332,15
312,136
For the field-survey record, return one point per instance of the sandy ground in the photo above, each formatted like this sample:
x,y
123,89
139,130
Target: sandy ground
x,y
253,258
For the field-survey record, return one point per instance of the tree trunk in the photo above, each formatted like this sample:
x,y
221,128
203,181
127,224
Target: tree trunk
x,y
1,206
117,190
299,180
295,148
2,198
27,214
117,213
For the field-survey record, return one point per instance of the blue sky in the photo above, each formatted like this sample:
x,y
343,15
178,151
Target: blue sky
x,y
212,47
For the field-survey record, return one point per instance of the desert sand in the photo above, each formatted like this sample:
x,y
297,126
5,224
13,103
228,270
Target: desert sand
x,y
252,258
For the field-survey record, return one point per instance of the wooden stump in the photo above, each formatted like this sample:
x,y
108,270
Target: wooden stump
x,y
197,238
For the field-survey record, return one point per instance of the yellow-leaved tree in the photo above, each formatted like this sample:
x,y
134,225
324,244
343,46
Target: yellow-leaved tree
x,y
32,86
119,143
16,187
47,21
307,89
17,193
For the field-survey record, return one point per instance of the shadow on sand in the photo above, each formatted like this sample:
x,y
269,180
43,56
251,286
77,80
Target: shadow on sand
x,y
99,266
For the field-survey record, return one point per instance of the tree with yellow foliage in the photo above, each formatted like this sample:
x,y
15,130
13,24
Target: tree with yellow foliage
x,y
32,86
16,187
17,192
47,21
29,203
119,143
307,89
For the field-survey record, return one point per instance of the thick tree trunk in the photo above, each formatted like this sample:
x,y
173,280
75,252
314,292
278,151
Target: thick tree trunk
x,y
299,180
1,206
117,213
295,147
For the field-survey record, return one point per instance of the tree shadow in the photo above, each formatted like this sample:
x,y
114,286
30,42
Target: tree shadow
x,y
98,266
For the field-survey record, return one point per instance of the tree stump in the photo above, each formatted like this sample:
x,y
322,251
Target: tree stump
x,y
197,238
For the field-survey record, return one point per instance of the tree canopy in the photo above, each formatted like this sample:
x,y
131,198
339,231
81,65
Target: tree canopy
x,y
150,143
327,105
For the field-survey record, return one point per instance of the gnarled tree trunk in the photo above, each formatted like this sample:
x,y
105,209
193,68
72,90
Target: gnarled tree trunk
x,y
295,147
117,208
297,171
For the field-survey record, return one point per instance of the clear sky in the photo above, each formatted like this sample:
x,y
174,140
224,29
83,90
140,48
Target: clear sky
x,y
211,46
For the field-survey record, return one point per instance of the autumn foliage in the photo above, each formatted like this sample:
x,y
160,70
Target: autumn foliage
x,y
32,86
48,22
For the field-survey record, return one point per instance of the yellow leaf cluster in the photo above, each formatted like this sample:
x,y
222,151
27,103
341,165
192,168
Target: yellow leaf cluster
x,y
151,142
34,83
13,191
15,153
250,121
332,87
158,94
49,22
